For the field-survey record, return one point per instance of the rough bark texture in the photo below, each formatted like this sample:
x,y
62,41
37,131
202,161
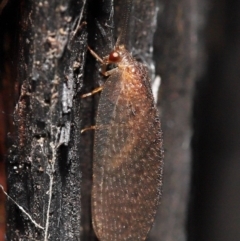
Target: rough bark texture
x,y
44,174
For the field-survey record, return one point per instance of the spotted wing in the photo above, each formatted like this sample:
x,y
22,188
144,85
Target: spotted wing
x,y
127,168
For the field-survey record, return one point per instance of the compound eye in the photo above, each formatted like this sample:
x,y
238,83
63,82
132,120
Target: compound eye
x,y
114,56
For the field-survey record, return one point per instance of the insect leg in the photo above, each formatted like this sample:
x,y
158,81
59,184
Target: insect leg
x,y
95,128
88,128
109,72
98,89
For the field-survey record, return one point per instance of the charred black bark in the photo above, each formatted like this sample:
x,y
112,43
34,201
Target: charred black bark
x,y
44,174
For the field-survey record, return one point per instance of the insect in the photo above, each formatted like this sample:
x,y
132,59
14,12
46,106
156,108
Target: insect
x,y
128,152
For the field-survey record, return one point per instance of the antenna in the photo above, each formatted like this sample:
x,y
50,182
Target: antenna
x,y
125,23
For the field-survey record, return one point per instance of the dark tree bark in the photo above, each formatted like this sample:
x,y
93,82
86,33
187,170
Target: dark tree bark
x,y
44,165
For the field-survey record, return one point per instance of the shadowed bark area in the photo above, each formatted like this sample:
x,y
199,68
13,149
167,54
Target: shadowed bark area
x,y
215,210
8,89
178,54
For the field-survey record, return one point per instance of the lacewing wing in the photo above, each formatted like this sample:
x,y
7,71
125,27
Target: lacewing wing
x,y
128,153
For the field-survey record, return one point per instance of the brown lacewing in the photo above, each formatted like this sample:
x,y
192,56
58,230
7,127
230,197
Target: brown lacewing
x,y
128,152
